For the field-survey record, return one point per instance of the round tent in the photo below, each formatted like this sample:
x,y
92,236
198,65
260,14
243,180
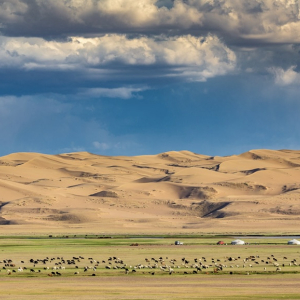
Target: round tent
x,y
237,242
178,243
293,242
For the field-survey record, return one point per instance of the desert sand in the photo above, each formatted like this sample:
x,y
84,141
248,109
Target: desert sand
x,y
173,192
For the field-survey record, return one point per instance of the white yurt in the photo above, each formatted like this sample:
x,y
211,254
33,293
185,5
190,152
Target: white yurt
x,y
237,242
178,243
293,242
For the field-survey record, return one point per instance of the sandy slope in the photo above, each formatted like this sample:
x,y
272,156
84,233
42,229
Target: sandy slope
x,y
173,192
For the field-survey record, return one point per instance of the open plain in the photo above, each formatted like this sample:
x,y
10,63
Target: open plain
x,y
92,268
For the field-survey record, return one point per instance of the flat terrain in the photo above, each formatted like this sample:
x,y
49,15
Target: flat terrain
x,y
174,192
149,266
235,287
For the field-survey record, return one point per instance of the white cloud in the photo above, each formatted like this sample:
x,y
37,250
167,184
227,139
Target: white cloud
x,y
146,13
201,57
286,77
121,92
71,149
101,146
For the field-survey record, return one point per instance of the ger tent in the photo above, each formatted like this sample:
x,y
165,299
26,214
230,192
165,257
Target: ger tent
x,y
237,242
293,242
178,243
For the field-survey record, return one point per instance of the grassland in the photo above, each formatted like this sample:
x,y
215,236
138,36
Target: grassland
x,y
243,275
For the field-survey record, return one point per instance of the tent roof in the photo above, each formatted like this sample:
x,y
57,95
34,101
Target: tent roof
x,y
294,241
237,242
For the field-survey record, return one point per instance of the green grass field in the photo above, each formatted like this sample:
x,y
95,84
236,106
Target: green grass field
x,y
267,268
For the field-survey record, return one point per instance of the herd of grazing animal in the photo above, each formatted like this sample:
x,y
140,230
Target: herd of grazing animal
x,y
79,266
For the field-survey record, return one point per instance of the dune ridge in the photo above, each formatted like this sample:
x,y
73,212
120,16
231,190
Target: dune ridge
x,y
175,191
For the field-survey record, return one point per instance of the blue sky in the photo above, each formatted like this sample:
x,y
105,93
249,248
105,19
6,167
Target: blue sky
x,y
127,77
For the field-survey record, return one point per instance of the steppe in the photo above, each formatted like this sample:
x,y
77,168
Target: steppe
x,y
256,192
86,267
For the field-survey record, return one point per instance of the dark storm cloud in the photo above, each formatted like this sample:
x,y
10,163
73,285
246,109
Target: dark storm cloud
x,y
247,21
110,36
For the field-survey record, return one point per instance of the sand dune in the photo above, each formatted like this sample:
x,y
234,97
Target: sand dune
x,y
178,192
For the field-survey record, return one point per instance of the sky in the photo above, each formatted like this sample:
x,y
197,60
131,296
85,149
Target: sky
x,y
128,77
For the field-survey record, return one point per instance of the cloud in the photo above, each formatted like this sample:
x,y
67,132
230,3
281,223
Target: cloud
x,y
135,41
196,58
64,17
101,146
286,77
190,39
251,21
121,92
